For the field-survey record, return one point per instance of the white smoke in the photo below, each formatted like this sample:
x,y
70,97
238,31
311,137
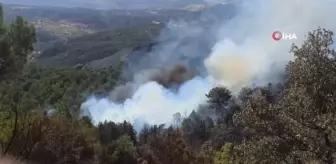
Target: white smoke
x,y
151,103
244,52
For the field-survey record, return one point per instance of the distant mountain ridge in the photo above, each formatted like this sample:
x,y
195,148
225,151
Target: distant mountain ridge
x,y
114,4
69,37
55,23
59,3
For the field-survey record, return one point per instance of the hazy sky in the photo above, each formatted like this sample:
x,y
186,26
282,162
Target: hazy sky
x,y
105,3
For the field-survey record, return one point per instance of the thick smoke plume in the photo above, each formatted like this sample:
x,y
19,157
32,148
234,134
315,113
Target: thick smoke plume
x,y
166,77
242,53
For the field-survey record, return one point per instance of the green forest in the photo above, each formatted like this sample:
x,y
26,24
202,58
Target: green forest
x,y
289,122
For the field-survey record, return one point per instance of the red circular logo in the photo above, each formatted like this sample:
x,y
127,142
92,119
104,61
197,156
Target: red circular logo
x,y
276,35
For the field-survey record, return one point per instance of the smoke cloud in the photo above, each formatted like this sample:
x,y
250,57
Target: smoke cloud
x,y
166,77
243,52
246,51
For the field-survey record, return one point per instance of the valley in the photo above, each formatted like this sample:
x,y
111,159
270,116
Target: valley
x,y
68,37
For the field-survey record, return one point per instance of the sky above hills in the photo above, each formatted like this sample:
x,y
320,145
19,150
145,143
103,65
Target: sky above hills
x,y
109,3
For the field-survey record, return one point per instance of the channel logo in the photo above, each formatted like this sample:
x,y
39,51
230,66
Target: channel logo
x,y
277,36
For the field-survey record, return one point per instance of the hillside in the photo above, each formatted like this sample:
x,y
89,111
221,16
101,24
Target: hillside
x,y
96,19
66,39
59,24
88,48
